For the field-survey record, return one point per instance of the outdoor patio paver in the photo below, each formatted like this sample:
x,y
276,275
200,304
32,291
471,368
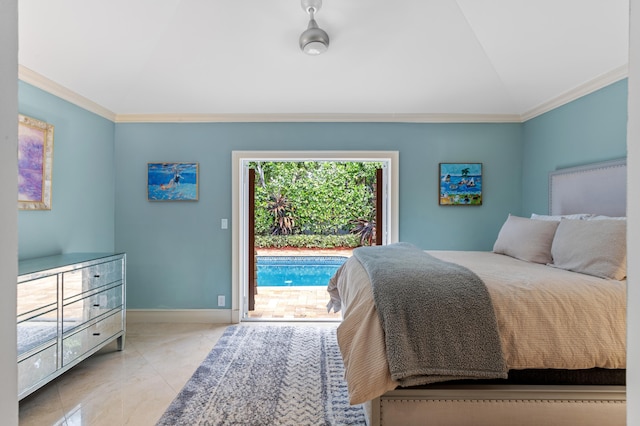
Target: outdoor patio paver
x,y
292,303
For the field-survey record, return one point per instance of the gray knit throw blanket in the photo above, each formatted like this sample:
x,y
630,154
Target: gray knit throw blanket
x,y
437,316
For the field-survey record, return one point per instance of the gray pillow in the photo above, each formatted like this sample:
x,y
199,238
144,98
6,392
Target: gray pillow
x,y
526,239
593,247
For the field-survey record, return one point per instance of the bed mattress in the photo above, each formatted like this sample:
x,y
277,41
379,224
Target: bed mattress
x,y
547,318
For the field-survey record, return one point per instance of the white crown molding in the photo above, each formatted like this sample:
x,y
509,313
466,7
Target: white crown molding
x,y
318,118
578,92
41,82
29,76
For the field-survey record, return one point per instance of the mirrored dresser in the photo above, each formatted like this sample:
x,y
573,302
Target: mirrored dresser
x,y
69,306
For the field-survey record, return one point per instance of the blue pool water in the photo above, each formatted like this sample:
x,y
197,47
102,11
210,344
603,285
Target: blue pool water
x,y
284,271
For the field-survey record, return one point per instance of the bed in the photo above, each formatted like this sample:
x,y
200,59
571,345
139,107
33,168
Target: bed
x,y
560,320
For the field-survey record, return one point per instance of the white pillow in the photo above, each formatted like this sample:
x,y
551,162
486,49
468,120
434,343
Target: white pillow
x,y
560,217
526,239
593,247
600,217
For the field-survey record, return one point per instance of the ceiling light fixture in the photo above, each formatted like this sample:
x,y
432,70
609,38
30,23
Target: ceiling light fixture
x,y
314,40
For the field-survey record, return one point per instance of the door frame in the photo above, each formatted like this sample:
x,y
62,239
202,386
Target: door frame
x,y
240,200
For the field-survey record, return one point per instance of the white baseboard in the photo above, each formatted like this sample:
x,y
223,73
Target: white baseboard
x,y
207,316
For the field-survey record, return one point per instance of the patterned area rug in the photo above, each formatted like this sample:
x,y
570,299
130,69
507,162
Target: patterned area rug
x,y
268,375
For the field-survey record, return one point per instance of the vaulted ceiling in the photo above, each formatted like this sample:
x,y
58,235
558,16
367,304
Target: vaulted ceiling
x,y
407,58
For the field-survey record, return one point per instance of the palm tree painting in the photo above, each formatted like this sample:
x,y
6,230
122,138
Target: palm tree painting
x,y
460,184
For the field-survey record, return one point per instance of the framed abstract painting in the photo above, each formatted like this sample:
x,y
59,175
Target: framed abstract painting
x,y
172,181
35,162
460,184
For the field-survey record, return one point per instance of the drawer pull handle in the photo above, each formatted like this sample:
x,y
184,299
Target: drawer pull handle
x,y
96,334
97,305
96,276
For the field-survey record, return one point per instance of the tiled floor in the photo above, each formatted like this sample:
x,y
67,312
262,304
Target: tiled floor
x,y
129,388
132,387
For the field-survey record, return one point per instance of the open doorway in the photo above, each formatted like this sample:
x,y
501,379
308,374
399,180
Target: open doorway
x,y
305,219
241,244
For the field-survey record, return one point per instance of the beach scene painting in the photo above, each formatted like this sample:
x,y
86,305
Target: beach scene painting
x,y
35,159
172,181
460,184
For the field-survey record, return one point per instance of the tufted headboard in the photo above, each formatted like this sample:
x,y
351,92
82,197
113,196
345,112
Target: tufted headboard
x,y
599,188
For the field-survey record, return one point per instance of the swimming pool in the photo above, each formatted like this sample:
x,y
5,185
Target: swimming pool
x,y
289,271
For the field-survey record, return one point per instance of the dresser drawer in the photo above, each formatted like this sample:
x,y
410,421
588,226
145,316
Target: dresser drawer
x,y
37,294
91,277
77,344
36,368
68,306
37,331
83,310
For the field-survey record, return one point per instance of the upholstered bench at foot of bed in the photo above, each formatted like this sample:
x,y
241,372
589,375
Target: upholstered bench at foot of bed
x,y
506,405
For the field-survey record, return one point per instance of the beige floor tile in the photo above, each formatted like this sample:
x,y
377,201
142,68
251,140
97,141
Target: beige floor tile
x,y
132,387
43,408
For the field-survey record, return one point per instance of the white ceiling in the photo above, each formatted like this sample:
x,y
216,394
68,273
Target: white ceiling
x,y
405,57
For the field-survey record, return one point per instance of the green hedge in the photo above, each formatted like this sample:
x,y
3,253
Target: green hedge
x,y
307,241
322,197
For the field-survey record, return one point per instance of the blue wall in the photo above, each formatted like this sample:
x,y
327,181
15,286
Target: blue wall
x,y
587,130
179,258
82,196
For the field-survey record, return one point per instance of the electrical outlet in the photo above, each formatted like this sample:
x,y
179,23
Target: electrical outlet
x,y
221,300
224,223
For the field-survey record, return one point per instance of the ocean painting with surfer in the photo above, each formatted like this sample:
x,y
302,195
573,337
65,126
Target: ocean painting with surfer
x,y
172,181
460,184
